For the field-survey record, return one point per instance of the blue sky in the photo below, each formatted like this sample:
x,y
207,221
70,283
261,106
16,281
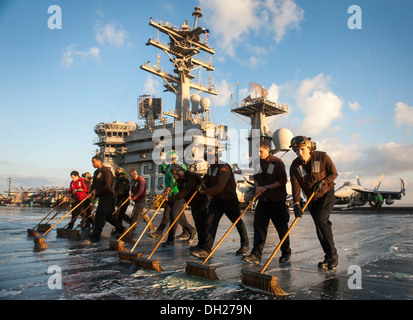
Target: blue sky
x,y
349,89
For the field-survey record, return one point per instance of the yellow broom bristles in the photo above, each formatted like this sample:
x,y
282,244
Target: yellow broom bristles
x,y
262,281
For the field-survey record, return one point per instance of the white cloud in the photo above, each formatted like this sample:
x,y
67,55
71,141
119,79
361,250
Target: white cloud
x,y
70,54
354,106
223,98
151,86
273,92
319,105
285,15
234,21
111,34
403,114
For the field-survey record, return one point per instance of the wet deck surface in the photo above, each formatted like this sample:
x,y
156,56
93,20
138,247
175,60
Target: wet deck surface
x,y
380,244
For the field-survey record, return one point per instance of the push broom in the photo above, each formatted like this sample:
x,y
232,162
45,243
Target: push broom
x,y
147,263
72,233
117,244
33,232
130,255
39,241
208,272
266,282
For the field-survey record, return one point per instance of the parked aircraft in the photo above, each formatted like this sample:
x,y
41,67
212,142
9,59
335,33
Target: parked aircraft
x,y
357,195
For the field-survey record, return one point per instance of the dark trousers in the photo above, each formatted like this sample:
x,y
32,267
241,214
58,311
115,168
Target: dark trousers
x,y
216,209
320,211
88,219
75,213
166,218
104,212
175,208
200,213
276,212
121,215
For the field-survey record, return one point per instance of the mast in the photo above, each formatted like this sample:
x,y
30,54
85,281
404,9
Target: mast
x,y
184,44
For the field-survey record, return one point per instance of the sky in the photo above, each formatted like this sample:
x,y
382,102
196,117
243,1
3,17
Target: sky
x,y
345,73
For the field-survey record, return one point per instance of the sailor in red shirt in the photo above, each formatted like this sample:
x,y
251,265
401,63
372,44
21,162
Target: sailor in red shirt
x,y
78,191
138,195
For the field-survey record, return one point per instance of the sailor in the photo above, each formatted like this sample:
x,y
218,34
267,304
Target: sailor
x,y
88,218
122,187
189,182
138,195
221,186
102,187
314,171
271,183
78,191
171,189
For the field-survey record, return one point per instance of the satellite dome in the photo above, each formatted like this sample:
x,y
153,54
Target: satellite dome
x,y
282,138
205,103
131,125
195,99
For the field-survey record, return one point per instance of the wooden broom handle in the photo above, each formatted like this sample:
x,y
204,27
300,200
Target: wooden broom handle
x,y
136,222
170,227
120,206
285,236
50,213
148,224
229,230
88,196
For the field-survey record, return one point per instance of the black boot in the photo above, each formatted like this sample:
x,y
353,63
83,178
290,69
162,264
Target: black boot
x,y
285,256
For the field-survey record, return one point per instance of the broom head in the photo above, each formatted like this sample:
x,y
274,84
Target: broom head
x,y
39,242
43,227
147,264
32,232
61,232
128,256
261,281
200,270
117,245
73,234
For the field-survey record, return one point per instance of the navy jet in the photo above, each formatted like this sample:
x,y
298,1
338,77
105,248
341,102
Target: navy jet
x,y
356,195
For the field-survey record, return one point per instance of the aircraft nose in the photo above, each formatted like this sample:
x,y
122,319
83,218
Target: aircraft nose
x,y
339,193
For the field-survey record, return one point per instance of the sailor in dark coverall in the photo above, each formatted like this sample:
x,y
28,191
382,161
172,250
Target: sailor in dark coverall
x,y
188,183
314,171
122,187
221,186
102,187
271,181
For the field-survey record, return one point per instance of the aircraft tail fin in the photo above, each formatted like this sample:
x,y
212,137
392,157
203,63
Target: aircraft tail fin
x,y
402,187
376,188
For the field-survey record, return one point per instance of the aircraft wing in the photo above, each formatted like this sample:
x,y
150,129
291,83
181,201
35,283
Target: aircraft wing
x,y
397,195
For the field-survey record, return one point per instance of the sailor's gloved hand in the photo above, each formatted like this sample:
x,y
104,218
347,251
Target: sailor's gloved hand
x,y
297,211
319,187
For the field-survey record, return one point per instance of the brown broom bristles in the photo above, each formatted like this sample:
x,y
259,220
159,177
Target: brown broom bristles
x,y
200,270
147,264
32,232
114,244
262,281
74,234
43,227
39,242
128,256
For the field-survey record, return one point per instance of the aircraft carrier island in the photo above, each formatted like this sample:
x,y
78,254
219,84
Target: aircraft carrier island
x,y
186,130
